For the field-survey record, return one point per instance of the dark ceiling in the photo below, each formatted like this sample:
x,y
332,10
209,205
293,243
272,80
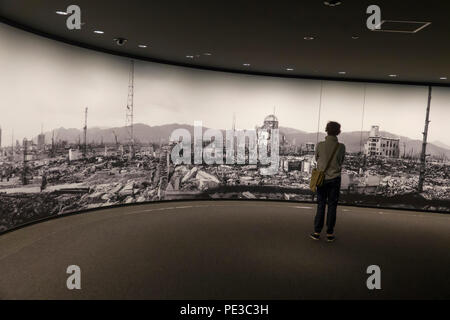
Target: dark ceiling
x,y
267,35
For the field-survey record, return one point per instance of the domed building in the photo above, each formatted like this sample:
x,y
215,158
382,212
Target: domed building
x,y
270,122
264,133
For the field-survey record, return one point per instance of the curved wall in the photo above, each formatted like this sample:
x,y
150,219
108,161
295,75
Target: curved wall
x,y
46,87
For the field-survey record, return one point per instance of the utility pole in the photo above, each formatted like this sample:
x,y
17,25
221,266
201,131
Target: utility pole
x,y
235,147
85,133
53,143
25,160
117,142
423,156
12,145
130,110
362,120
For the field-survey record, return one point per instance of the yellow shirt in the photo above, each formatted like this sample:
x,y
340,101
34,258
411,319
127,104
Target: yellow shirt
x,y
324,150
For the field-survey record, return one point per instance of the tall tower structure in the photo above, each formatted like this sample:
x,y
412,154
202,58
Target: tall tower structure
x,y
85,133
130,110
235,147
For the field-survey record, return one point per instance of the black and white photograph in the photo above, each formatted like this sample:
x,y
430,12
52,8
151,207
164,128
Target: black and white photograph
x,y
224,158
97,133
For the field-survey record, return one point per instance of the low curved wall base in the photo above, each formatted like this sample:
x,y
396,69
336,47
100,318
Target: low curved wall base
x,y
227,250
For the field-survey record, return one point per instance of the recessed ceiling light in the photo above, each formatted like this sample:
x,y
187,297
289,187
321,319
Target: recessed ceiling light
x,y
61,13
142,46
342,72
207,54
246,64
308,38
443,78
289,69
190,57
332,3
393,75
99,32
355,37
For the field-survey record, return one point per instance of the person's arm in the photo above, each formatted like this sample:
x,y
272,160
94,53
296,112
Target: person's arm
x,y
316,152
341,155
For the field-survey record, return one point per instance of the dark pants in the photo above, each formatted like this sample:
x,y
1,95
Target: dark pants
x,y
328,193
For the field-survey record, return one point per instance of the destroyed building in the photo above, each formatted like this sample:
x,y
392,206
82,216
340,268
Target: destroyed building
x,y
379,146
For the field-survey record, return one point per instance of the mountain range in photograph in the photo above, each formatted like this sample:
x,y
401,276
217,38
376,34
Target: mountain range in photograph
x,y
160,134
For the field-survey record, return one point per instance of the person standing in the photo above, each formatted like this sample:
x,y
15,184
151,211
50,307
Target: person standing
x,y
329,152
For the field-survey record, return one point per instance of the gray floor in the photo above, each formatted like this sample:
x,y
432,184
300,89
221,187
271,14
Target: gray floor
x,y
227,250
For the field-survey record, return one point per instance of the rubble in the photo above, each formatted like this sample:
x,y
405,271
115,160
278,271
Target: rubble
x,y
111,180
248,195
190,174
206,180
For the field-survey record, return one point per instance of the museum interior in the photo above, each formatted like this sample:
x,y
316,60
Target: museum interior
x,y
167,150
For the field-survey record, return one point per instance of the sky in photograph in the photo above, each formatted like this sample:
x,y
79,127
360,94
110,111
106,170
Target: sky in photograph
x,y
46,83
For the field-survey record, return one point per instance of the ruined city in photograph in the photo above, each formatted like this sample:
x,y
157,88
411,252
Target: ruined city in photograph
x,y
82,130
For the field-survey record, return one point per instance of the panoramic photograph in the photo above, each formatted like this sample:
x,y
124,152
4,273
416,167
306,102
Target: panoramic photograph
x,y
97,133
220,160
